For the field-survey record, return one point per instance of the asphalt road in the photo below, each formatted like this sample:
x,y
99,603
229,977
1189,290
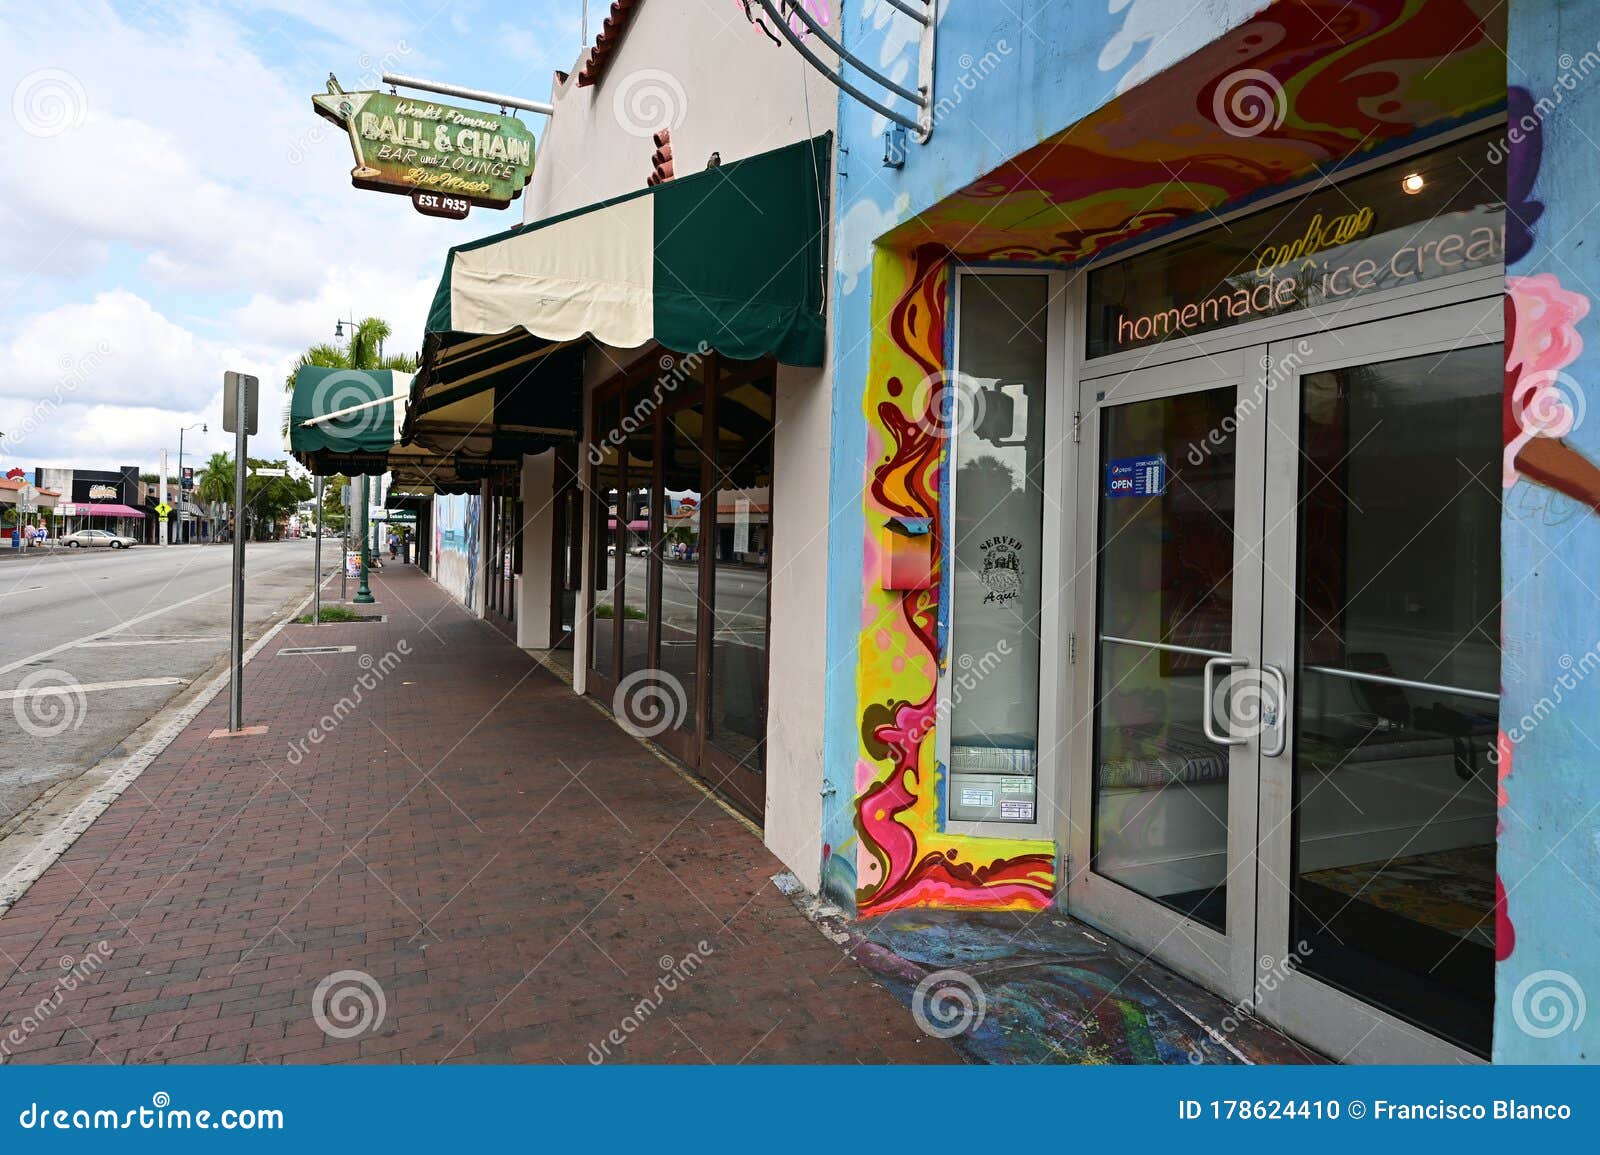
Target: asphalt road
x,y
111,638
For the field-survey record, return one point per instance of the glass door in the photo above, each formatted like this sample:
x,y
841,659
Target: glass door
x,y
1172,713
1382,612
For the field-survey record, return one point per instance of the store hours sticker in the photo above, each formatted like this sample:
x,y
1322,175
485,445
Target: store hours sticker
x,y
1136,476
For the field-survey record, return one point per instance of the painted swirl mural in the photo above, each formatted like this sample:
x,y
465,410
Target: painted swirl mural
x,y
903,859
1300,86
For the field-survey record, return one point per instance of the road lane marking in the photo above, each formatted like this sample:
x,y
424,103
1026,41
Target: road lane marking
x,y
226,587
75,688
106,643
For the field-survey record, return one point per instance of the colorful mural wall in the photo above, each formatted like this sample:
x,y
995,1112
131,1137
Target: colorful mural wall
x,y
1549,847
1243,107
455,546
902,858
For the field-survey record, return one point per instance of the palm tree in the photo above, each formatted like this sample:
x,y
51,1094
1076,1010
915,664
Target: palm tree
x,y
214,485
365,351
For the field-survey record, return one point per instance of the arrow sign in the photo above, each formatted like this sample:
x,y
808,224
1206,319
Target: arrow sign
x,y
269,473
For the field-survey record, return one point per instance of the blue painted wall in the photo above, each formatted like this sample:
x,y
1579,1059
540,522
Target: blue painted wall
x,y
1006,77
1549,859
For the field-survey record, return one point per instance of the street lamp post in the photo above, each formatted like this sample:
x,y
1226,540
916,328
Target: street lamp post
x,y
200,425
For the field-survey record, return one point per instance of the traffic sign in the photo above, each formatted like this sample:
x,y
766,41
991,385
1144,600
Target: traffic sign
x,y
231,388
163,509
27,499
269,472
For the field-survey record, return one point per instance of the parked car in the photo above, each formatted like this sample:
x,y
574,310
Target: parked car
x,y
97,537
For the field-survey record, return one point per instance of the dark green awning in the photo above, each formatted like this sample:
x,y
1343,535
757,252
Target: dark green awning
x,y
344,418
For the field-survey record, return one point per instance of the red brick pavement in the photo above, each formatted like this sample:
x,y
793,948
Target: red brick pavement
x,y
513,870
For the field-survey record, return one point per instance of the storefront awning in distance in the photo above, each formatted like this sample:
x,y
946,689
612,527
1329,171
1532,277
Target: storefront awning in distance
x,y
346,420
108,511
731,259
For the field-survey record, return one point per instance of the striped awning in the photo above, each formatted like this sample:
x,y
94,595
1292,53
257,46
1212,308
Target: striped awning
x,y
731,260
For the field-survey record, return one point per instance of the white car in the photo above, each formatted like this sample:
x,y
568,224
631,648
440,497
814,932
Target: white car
x,y
97,537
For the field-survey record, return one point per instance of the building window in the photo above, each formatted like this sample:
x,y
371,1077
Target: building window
x,y
995,529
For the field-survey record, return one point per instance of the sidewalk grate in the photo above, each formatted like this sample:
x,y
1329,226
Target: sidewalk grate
x,y
296,651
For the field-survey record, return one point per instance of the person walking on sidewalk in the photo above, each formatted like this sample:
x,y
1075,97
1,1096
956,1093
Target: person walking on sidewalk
x,y
394,546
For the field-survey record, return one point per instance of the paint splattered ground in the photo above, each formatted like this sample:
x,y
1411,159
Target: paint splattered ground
x,y
1056,991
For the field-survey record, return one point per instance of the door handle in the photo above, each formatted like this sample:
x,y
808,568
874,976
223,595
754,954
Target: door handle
x,y
1280,731
1208,690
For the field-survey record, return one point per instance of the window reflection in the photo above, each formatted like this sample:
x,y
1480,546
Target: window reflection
x,y
998,498
741,557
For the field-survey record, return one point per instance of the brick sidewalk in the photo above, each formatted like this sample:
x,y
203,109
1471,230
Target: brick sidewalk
x,y
519,877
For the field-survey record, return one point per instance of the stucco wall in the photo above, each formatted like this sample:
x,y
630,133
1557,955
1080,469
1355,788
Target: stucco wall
x,y
457,530
700,69
1549,852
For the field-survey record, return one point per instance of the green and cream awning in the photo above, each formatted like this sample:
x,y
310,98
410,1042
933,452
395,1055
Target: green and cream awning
x,y
731,259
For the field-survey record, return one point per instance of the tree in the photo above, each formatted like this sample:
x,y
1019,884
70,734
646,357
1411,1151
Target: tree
x,y
364,351
268,500
214,481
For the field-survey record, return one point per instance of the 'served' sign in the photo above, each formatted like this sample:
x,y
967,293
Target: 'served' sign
x,y
403,144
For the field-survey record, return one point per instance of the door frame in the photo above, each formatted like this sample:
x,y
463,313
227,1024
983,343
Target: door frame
x,y
1310,1010
1315,1011
1222,961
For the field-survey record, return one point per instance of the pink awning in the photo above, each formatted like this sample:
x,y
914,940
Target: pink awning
x,y
109,511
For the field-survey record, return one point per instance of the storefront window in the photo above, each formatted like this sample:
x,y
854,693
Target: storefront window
x,y
679,549
642,511
742,539
606,499
996,463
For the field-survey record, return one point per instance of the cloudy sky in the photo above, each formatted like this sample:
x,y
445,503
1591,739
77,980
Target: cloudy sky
x,y
171,207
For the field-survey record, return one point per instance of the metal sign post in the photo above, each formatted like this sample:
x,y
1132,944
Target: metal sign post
x,y
316,562
239,417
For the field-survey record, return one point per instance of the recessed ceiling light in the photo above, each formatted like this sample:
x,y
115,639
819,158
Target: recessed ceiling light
x,y
1412,182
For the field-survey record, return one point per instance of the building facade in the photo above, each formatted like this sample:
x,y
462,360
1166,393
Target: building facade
x,y
1214,414
1188,525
